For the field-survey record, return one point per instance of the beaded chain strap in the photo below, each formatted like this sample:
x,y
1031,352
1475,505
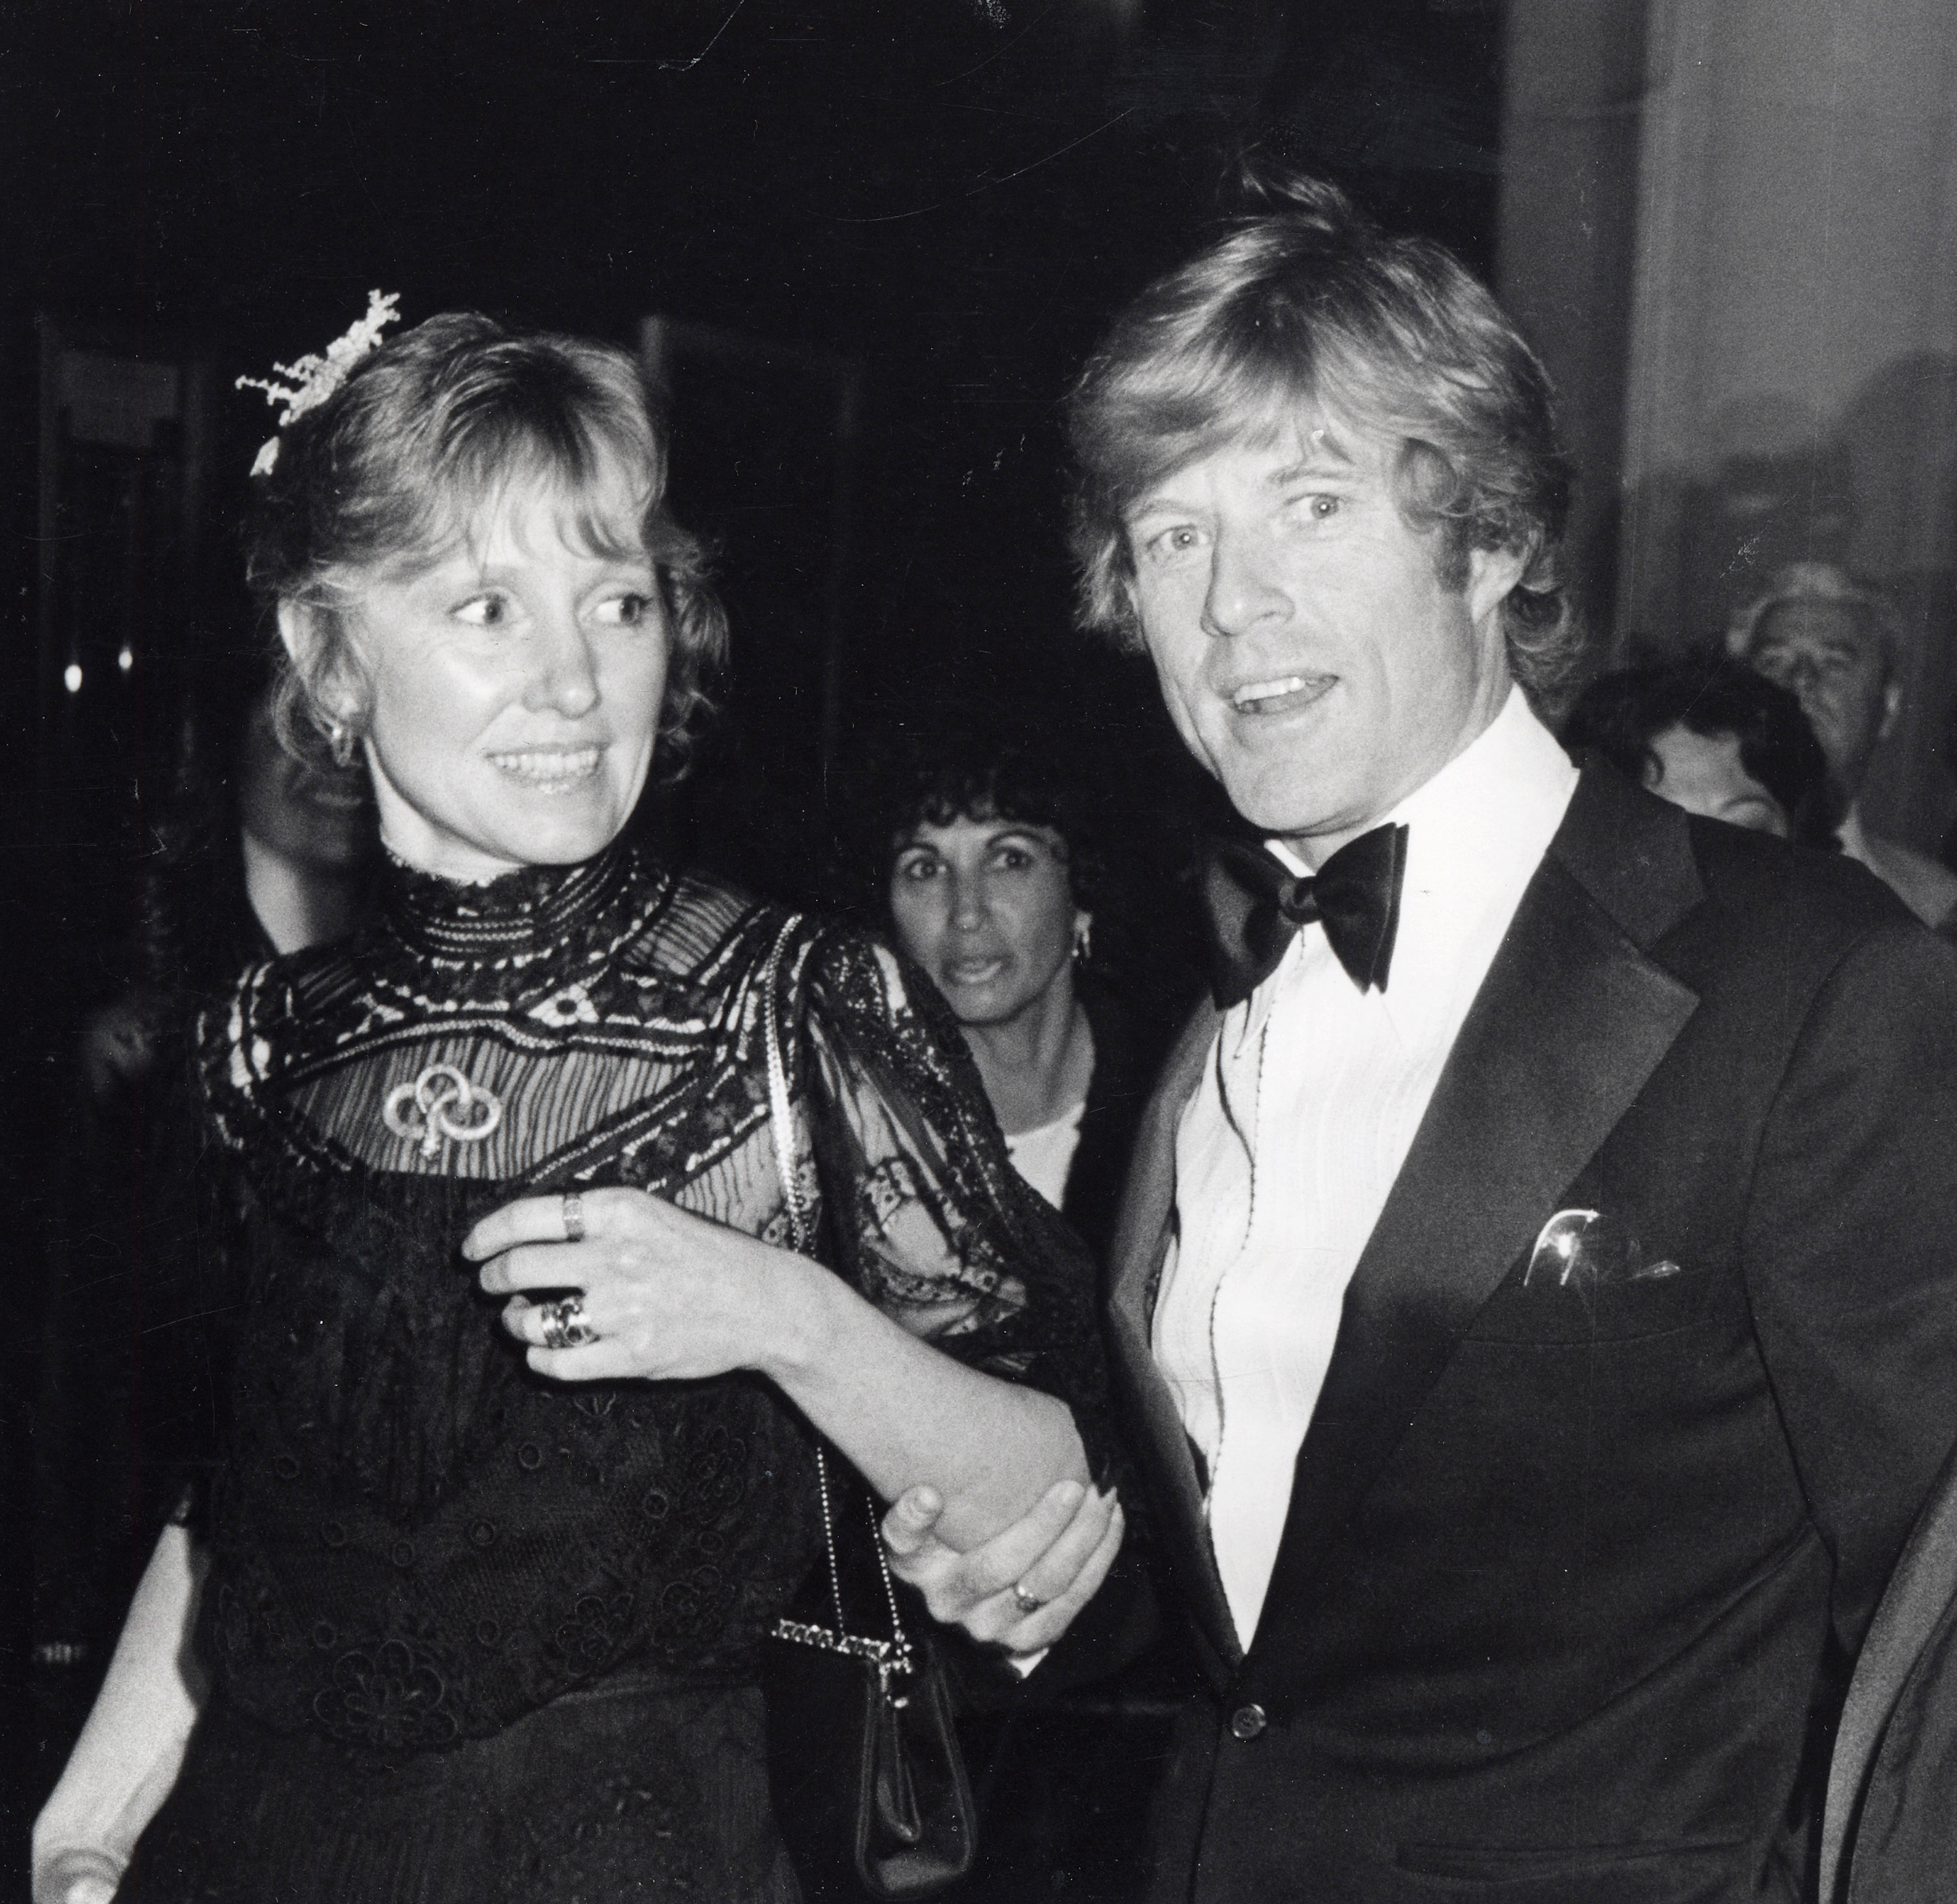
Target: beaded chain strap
x,y
894,1655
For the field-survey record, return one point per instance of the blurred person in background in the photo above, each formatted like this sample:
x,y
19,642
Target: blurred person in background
x,y
1715,738
990,866
1833,641
993,876
258,853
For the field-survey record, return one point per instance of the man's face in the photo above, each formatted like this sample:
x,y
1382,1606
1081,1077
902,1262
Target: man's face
x,y
1311,657
1821,653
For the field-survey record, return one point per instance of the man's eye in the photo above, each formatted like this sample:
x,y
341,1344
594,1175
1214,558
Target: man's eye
x,y
917,869
484,611
1317,506
628,610
1012,859
1173,545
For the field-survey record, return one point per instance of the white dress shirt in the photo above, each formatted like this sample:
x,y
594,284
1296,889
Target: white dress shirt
x,y
1308,1105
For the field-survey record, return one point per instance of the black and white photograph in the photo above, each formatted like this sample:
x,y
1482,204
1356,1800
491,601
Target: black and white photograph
x,y
987,950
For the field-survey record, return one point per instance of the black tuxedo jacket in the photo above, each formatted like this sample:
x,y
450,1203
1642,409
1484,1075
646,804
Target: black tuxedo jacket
x,y
1572,1574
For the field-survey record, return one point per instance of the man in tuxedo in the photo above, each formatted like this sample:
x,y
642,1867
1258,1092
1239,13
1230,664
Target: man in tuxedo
x,y
1536,1295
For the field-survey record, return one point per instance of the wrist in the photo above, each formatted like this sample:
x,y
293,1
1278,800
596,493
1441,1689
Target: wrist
x,y
796,1296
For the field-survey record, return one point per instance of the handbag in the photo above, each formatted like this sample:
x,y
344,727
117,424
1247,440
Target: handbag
x,y
868,1781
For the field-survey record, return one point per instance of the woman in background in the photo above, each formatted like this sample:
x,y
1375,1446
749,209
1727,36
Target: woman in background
x,y
992,879
1712,736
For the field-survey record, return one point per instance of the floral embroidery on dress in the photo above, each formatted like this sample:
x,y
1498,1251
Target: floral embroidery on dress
x,y
393,1699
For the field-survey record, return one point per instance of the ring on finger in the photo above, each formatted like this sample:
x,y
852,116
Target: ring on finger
x,y
573,1217
564,1326
1026,1602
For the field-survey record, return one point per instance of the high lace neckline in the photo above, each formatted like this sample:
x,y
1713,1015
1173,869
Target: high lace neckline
x,y
536,909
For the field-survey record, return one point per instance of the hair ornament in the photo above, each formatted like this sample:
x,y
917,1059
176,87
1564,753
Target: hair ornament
x,y
315,379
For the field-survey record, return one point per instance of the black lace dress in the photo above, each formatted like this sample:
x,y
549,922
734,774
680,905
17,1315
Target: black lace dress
x,y
473,1635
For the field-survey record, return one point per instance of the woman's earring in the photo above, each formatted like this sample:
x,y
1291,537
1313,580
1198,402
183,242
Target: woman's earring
x,y
1083,940
339,742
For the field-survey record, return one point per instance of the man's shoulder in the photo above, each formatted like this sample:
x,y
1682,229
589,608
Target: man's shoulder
x,y
1754,877
1786,929
1658,869
1926,886
1813,901
1758,928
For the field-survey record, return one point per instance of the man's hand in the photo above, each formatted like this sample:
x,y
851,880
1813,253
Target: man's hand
x,y
1057,1553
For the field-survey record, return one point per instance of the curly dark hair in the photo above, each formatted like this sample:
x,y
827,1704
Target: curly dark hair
x,y
966,770
1620,715
1304,303
423,434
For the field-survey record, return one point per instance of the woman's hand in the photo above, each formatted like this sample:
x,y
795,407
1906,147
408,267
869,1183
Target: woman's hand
x,y
670,1296
661,1293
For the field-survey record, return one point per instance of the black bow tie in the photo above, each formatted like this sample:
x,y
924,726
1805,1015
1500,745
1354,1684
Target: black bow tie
x,y
1256,905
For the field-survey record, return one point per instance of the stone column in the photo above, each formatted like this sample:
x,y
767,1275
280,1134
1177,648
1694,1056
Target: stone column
x,y
1573,74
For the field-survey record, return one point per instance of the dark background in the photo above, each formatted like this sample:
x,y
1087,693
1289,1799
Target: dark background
x,y
926,211
880,239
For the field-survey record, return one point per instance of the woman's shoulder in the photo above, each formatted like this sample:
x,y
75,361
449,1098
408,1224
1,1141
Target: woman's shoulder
x,y
853,974
710,925
714,936
247,1034
270,996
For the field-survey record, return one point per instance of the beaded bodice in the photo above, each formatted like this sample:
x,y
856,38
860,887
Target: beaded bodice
x,y
415,1539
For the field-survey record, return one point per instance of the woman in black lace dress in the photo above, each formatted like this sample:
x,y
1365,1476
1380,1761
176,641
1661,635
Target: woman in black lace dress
x,y
473,1609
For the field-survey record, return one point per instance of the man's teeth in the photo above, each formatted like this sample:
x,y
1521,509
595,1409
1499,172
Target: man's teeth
x,y
1254,691
554,767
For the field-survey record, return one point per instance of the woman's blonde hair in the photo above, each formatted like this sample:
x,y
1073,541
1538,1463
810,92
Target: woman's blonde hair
x,y
423,436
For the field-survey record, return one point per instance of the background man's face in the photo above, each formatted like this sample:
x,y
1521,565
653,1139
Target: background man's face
x,y
1821,652
1310,656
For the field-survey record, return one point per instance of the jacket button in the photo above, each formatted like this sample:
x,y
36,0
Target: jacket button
x,y
1247,1721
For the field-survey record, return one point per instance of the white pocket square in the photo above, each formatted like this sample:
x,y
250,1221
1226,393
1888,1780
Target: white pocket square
x,y
1588,1249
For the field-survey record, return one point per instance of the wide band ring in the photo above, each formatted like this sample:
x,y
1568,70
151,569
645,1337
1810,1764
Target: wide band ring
x,y
573,1217
1026,1602
564,1326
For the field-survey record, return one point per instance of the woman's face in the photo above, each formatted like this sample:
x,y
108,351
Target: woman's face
x,y
1703,774
984,905
515,687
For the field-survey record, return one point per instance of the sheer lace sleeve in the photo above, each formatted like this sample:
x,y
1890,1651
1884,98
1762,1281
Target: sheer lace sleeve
x,y
923,1211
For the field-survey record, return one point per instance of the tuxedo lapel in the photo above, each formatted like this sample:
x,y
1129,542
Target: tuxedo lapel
x,y
1141,1242
1571,1022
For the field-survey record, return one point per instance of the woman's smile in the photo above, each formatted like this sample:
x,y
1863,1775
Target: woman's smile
x,y
551,770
